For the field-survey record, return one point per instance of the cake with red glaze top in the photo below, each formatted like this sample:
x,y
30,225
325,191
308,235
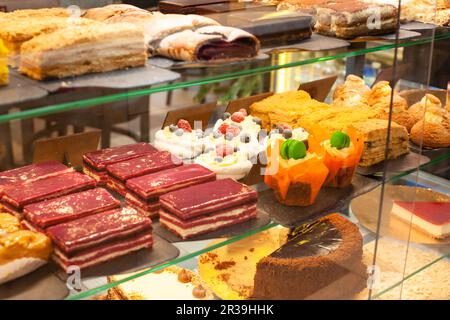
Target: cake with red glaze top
x,y
432,218
143,192
95,163
31,173
120,172
47,213
17,196
207,207
100,237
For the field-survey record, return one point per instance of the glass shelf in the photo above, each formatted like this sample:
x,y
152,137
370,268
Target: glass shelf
x,y
276,61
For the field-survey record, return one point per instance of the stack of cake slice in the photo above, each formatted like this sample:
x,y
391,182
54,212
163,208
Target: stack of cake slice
x,y
42,215
100,237
143,192
120,172
355,18
31,173
16,29
207,207
94,163
15,197
375,135
81,49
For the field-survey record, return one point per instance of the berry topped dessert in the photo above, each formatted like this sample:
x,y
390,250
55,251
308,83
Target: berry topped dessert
x,y
241,119
226,161
181,140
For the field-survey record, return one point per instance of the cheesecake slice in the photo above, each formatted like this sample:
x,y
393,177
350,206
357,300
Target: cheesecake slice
x,y
433,218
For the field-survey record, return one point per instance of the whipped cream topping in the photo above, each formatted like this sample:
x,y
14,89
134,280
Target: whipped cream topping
x,y
297,134
338,153
236,165
186,146
251,148
293,162
248,125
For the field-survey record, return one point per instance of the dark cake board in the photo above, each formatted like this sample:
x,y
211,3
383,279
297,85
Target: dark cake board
x,y
210,64
120,79
316,42
402,164
49,282
402,35
262,220
329,200
19,91
415,25
41,284
429,152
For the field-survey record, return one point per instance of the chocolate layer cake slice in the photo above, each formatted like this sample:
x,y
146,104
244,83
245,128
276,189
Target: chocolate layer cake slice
x,y
31,173
94,163
17,196
120,172
321,260
47,213
207,207
143,192
100,237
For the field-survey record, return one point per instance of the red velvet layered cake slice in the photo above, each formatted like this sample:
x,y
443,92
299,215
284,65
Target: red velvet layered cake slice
x,y
47,213
432,218
120,172
31,173
207,207
100,237
94,163
143,192
17,196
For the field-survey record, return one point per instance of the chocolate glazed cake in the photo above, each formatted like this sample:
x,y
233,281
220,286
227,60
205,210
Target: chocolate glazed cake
x,y
321,260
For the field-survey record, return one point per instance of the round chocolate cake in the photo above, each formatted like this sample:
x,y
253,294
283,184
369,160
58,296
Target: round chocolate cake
x,y
321,260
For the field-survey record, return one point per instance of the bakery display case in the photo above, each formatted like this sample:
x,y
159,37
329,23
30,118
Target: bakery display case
x,y
233,150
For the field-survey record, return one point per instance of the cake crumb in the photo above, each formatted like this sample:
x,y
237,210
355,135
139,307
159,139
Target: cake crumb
x,y
224,265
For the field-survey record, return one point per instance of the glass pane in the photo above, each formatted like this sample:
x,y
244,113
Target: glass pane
x,y
351,141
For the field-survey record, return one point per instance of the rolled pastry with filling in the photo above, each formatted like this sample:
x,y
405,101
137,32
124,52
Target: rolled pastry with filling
x,y
210,43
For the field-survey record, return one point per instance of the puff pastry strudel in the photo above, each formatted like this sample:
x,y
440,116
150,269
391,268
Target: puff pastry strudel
x,y
85,49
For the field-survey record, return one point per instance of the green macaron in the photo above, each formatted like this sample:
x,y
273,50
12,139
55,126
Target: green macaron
x,y
285,149
297,150
340,140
